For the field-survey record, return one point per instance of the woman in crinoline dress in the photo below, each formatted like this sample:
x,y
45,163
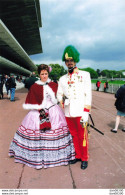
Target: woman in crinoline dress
x,y
40,148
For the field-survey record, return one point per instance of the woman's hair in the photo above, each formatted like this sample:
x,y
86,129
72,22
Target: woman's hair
x,y
43,67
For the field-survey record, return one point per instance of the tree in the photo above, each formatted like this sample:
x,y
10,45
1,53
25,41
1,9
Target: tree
x,y
98,72
57,71
112,73
92,72
105,73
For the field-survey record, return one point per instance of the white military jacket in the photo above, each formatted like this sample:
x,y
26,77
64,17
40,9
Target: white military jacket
x,y
76,88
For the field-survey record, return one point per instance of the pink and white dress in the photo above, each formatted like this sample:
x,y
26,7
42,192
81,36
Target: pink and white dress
x,y
43,149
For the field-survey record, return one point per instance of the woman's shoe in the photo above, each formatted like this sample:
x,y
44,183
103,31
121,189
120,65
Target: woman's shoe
x,y
123,129
113,130
74,161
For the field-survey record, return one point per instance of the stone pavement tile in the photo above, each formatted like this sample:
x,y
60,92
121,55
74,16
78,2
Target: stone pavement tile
x,y
112,148
10,173
50,178
102,172
11,115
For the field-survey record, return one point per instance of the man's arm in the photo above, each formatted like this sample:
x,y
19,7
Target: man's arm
x,y
88,92
88,99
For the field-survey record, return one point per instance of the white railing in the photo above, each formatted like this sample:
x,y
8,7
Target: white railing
x,y
19,85
111,88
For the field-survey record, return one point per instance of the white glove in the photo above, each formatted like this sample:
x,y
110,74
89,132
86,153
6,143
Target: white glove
x,y
66,103
85,117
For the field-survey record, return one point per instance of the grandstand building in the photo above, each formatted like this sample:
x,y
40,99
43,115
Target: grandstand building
x,y
20,21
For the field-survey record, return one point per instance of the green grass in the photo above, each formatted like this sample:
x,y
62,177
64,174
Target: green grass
x,y
116,82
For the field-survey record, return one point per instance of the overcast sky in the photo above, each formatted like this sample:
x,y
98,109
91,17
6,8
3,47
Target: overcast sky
x,y
95,27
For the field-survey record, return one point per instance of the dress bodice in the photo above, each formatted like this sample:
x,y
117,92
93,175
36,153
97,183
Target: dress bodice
x,y
48,100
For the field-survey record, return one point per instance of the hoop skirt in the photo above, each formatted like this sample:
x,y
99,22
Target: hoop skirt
x,y
43,149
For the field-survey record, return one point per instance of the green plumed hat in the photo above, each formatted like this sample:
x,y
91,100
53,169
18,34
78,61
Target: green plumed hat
x,y
71,52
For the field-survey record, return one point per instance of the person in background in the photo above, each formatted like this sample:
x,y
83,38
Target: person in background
x,y
30,81
98,85
105,86
17,77
1,86
120,106
7,84
74,95
12,87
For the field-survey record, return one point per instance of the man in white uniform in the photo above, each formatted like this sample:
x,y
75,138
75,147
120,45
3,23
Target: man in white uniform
x,y
74,95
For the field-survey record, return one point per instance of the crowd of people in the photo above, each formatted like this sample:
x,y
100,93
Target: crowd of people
x,y
10,85
54,132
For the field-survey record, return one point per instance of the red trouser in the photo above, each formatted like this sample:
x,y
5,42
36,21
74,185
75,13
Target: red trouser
x,y
77,132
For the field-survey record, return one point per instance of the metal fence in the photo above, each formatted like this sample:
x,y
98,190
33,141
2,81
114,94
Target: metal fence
x,y
111,88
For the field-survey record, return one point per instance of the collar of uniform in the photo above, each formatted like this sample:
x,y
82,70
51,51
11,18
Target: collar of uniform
x,y
76,70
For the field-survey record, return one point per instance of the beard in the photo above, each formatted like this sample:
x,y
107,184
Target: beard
x,y
70,69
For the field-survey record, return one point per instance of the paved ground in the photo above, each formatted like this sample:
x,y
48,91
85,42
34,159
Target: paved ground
x,y
106,168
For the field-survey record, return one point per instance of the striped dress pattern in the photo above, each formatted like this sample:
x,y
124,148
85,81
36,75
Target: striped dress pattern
x,y
43,149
